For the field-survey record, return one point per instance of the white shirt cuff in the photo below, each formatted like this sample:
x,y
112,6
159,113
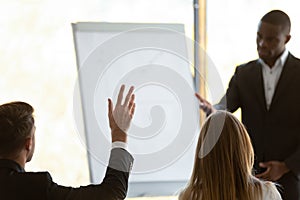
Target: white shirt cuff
x,y
118,144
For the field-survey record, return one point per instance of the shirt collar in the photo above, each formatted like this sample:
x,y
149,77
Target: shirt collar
x,y
283,57
10,164
279,62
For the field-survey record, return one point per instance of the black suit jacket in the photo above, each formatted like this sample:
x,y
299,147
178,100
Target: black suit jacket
x,y
16,184
275,133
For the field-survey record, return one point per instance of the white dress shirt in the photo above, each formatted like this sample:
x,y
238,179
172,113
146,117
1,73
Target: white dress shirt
x,y
119,144
120,159
271,76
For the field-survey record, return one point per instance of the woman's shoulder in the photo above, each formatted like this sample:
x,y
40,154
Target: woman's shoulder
x,y
269,191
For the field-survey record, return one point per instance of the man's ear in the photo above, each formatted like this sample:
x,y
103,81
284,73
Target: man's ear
x,y
28,144
288,37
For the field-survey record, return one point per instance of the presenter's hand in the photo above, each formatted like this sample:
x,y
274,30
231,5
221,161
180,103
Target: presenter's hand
x,y
205,105
275,170
121,115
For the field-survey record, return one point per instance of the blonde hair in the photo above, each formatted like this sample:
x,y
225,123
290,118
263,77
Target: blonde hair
x,y
223,162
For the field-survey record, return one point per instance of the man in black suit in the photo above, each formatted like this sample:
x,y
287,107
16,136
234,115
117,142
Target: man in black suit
x,y
17,144
267,91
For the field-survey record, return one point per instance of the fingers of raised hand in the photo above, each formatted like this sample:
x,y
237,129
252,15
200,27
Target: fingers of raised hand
x,y
131,102
120,95
122,113
132,110
129,97
110,107
111,119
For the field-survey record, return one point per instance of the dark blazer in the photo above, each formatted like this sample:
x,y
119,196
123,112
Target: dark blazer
x,y
275,133
16,184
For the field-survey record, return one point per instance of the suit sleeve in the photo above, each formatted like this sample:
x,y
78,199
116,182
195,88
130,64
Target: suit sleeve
x,y
113,187
230,101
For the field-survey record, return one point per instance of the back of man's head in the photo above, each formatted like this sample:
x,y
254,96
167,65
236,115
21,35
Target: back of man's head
x,y
278,17
16,123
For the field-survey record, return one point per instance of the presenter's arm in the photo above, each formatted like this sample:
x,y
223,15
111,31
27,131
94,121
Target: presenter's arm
x,y
115,183
230,101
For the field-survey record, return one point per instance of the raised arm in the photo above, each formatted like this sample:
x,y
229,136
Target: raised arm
x,y
115,183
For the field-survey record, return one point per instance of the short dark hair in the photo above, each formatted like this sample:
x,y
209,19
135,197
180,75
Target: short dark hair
x,y
16,123
278,17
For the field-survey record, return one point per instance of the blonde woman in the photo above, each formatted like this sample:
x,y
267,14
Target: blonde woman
x,y
223,164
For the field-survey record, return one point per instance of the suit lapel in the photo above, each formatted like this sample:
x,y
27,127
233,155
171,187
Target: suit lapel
x,y
260,91
284,79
